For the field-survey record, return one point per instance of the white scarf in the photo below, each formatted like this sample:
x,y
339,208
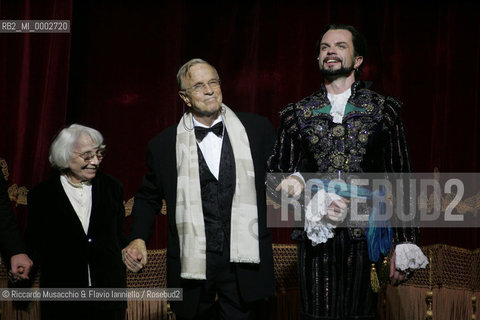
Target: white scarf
x,y
244,247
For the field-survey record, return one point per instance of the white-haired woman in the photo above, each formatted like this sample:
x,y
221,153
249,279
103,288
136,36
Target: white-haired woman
x,y
75,227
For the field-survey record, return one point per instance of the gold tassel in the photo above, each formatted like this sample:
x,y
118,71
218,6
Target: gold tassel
x,y
429,293
384,272
374,283
429,300
474,307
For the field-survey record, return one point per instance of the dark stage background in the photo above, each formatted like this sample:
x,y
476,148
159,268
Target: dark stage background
x,y
116,72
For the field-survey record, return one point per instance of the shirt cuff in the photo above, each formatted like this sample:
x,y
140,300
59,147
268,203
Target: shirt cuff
x,y
299,176
409,256
318,229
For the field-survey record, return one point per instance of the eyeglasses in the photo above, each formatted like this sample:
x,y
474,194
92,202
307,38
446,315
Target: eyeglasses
x,y
200,87
89,155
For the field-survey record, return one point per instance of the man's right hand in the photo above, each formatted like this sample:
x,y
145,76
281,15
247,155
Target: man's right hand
x,y
337,211
135,255
21,265
292,185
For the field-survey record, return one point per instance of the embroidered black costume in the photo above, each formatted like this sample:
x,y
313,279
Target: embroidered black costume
x,y
334,276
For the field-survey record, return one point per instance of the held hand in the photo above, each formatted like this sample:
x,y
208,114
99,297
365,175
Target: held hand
x,y
21,265
292,185
396,276
337,211
135,255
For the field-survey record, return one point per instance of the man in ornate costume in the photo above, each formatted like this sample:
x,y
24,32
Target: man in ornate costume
x,y
343,128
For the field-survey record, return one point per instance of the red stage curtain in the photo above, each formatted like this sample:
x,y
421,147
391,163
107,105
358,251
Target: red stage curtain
x,y
34,72
125,55
33,88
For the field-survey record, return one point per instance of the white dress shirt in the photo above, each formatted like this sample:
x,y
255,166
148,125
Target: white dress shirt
x,y
80,196
211,147
338,102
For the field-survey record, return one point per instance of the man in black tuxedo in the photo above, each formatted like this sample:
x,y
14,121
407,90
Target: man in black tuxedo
x,y
211,171
11,243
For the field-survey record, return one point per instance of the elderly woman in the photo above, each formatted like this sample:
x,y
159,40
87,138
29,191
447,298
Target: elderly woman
x,y
75,227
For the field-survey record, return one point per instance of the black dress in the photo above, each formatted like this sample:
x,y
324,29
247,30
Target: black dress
x,y
67,256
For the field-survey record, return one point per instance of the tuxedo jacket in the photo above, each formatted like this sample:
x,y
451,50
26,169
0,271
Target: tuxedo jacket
x,y
256,281
59,245
11,242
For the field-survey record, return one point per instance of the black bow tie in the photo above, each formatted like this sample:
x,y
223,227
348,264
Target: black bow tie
x,y
201,132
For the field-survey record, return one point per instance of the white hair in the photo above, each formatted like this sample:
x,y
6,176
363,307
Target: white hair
x,y
62,147
183,71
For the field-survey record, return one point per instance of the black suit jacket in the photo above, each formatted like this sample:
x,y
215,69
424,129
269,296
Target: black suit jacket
x,y
255,281
59,245
11,242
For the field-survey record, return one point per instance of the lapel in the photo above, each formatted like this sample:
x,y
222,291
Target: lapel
x,y
95,200
227,162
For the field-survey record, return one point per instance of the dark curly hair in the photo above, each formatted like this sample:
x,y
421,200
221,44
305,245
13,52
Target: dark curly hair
x,y
359,42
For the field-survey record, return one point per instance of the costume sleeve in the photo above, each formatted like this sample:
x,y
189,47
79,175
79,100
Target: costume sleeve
x,y
286,151
11,242
396,155
148,200
397,163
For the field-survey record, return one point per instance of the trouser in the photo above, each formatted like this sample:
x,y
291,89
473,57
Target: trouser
x,y
220,296
335,279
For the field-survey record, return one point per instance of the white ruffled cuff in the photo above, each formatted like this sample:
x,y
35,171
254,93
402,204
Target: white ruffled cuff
x,y
409,256
318,230
299,176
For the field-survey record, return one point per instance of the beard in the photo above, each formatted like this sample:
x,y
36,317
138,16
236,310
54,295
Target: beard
x,y
331,74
